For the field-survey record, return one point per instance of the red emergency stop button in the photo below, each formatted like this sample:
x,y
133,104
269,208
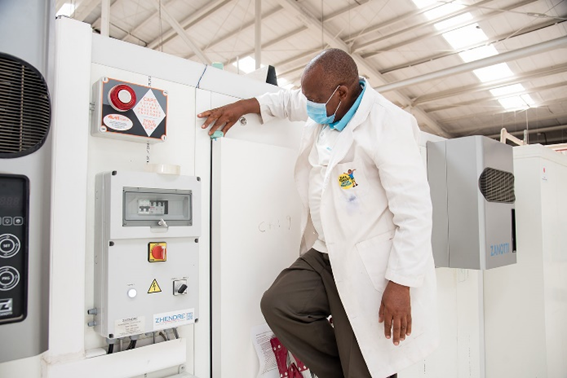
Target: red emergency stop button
x,y
157,252
122,97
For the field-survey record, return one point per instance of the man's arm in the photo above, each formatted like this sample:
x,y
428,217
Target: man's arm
x,y
229,114
290,104
403,176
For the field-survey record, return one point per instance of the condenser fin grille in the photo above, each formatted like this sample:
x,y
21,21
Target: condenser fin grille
x,y
497,186
25,110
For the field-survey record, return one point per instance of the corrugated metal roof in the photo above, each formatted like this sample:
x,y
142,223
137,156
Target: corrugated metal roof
x,y
391,41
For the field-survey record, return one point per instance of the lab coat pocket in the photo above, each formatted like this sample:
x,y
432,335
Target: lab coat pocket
x,y
374,253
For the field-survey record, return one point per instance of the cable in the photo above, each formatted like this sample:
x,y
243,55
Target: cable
x,y
111,343
133,340
162,334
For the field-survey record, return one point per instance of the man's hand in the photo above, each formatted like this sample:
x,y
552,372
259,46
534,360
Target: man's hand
x,y
228,115
395,311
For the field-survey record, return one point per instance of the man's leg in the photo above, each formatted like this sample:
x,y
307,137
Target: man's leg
x,y
297,306
296,309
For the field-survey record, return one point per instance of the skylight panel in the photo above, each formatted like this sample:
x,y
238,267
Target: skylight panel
x,y
478,53
495,72
423,3
461,19
443,10
502,91
66,9
245,65
528,99
512,103
466,36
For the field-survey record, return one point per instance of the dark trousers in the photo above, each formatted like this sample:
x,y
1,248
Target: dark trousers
x,y
296,308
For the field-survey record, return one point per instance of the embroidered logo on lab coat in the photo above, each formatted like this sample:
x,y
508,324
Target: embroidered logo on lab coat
x,y
346,180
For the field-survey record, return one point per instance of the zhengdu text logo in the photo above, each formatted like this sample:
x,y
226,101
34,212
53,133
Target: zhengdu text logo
x,y
499,249
177,318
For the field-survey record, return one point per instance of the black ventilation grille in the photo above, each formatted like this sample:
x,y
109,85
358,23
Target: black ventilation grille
x,y
25,110
497,186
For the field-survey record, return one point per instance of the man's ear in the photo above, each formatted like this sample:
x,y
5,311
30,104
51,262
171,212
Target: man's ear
x,y
343,91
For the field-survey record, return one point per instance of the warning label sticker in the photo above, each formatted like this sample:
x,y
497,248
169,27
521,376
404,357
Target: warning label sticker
x,y
149,112
129,326
154,287
174,319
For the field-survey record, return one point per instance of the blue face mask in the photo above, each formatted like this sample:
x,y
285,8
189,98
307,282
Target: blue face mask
x,y
318,112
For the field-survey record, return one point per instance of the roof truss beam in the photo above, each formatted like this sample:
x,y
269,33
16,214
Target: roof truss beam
x,y
179,30
246,26
423,36
198,16
493,98
514,122
490,85
494,40
481,63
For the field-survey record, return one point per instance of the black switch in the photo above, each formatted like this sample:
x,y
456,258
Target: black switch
x,y
182,289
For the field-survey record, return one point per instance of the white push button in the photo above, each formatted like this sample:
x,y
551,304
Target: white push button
x,y
9,245
124,96
9,278
132,293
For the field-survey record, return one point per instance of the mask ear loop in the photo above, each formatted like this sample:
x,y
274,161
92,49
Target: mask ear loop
x,y
338,106
337,109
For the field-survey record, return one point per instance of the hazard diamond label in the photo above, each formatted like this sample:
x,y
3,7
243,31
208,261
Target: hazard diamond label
x,y
154,287
149,112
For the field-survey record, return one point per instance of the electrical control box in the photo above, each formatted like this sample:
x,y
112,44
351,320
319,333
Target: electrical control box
x,y
129,111
146,252
472,191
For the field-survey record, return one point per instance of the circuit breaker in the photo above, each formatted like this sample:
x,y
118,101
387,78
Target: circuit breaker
x,y
146,252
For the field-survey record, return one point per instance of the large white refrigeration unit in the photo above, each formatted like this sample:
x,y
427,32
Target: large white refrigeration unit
x,y
25,176
159,260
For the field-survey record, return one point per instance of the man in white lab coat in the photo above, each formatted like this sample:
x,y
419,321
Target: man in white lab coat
x,y
366,250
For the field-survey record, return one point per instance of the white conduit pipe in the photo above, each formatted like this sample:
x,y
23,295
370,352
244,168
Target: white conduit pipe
x,y
500,58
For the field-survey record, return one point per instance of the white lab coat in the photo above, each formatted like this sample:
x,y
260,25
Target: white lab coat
x,y
377,231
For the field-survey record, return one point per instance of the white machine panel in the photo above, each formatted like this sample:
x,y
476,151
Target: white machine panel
x,y
526,304
256,212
